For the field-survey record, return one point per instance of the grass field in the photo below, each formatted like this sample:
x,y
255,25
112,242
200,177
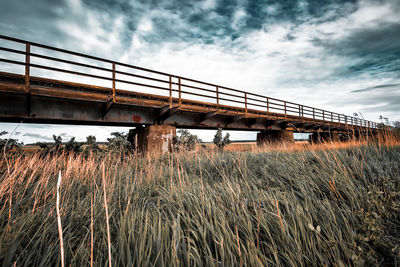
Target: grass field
x,y
332,205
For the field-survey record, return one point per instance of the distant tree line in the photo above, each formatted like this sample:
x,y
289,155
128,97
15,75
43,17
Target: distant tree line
x,y
185,141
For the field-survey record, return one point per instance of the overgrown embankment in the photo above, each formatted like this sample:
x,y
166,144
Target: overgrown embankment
x,y
311,207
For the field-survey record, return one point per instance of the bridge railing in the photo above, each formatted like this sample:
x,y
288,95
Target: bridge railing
x,y
49,62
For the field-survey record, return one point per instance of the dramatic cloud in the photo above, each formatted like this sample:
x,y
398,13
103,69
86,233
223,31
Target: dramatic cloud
x,y
338,55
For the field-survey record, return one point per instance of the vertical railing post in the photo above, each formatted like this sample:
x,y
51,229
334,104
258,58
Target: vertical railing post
x,y
113,82
180,91
339,118
27,67
323,115
245,102
331,116
345,119
170,91
217,92
27,75
284,103
313,113
267,104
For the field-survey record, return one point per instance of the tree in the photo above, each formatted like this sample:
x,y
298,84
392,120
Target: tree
x,y
397,127
73,146
91,143
57,143
9,143
186,140
119,142
219,141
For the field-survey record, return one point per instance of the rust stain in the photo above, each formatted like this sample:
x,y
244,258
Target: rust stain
x,y
136,118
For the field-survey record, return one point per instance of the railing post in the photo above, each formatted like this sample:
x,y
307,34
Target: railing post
x,y
180,92
331,116
267,104
313,113
323,115
27,75
339,118
217,92
245,102
170,91
113,82
285,109
345,119
27,67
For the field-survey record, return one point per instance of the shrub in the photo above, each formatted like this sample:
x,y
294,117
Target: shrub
x,y
219,141
9,143
186,140
119,143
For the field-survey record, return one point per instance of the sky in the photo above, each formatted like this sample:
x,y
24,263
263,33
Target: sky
x,y
342,56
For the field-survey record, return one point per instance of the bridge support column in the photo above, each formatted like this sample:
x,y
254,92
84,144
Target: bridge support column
x,y
153,138
274,136
324,137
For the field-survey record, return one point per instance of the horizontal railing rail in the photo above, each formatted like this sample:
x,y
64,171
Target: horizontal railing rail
x,y
125,74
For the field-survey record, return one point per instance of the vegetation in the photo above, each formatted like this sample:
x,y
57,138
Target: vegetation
x,y
119,142
92,146
219,141
324,205
8,143
397,128
186,141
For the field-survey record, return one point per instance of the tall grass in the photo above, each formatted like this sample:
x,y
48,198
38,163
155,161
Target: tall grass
x,y
323,205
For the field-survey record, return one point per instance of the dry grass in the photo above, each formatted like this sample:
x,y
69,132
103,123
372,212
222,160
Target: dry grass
x,y
331,204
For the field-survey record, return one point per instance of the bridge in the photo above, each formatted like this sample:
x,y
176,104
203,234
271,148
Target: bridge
x,y
44,84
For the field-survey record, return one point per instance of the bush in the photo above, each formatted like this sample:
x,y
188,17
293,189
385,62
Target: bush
x,y
186,141
91,145
9,143
119,143
219,141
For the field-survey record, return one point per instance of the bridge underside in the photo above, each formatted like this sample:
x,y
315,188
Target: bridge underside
x,y
59,102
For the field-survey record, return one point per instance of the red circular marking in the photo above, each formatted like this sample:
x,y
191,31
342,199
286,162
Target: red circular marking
x,y
136,118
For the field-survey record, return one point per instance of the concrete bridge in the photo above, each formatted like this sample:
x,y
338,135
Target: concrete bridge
x,y
43,84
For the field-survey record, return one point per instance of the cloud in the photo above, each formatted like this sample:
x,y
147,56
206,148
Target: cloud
x,y
382,86
39,136
327,54
374,50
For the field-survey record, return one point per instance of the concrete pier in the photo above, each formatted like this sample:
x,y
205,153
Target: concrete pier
x,y
153,138
323,137
274,136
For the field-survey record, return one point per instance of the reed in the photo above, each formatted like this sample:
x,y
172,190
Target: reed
x,y
332,204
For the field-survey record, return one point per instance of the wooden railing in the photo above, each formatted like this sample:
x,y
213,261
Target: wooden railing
x,y
175,87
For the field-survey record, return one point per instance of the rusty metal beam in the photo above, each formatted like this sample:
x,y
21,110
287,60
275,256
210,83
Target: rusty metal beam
x,y
205,116
107,107
234,119
165,113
